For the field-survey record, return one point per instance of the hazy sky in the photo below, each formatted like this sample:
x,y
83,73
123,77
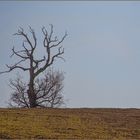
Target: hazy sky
x,y
102,50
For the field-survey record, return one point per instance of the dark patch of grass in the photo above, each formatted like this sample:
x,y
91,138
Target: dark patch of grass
x,y
4,136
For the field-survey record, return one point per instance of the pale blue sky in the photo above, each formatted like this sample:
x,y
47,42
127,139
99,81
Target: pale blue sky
x,y
102,50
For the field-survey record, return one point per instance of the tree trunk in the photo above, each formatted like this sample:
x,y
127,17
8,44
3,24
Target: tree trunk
x,y
31,92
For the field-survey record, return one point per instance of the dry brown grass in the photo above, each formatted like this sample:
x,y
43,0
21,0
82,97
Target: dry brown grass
x,y
107,124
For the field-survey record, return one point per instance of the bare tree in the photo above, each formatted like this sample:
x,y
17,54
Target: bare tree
x,y
48,90
36,66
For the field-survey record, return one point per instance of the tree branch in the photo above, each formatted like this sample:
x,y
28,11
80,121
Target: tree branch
x,y
59,42
47,40
21,32
17,53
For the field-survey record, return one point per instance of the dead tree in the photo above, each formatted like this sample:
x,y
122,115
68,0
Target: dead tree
x,y
36,66
48,90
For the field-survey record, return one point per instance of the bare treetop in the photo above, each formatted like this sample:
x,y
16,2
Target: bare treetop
x,y
27,53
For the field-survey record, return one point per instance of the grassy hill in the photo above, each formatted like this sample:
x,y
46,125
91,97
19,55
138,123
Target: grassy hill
x,y
107,124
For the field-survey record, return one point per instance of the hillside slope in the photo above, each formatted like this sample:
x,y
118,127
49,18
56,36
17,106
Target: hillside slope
x,y
107,124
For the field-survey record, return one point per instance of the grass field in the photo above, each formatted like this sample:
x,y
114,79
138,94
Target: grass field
x,y
107,124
